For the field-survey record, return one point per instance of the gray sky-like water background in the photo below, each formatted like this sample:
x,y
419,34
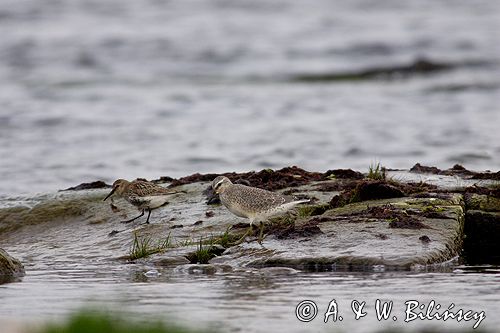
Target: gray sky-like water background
x,y
106,89
100,90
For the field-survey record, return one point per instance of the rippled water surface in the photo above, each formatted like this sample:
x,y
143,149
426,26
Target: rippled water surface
x,y
123,89
106,89
248,301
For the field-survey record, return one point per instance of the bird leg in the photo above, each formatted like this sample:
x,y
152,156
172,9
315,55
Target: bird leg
x,y
249,230
261,233
149,213
244,235
135,218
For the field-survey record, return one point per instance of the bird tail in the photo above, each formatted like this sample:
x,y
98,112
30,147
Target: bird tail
x,y
173,192
292,204
301,201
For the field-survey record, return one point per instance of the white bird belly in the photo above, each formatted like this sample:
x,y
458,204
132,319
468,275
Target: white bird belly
x,y
155,201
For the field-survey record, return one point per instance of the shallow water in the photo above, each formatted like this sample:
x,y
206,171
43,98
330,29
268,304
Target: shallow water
x,y
104,90
101,90
251,301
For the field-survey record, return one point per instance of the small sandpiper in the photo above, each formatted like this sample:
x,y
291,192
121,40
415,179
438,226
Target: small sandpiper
x,y
142,194
253,203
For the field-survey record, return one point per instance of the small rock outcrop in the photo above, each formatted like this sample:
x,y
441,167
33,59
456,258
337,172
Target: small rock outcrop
x,y
9,267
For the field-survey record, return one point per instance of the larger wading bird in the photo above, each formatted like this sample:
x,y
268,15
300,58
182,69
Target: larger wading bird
x,y
253,203
142,194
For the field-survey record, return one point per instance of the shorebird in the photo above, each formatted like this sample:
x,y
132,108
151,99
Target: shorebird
x,y
142,194
250,202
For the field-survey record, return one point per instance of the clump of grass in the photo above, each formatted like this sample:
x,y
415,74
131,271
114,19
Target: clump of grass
x,y
225,240
98,322
185,242
144,246
376,172
204,252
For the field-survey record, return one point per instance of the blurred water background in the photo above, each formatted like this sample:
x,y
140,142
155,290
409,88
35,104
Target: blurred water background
x,y
123,89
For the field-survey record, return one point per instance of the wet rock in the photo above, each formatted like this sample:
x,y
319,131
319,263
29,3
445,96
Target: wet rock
x,y
419,66
89,186
211,196
487,175
163,179
424,169
313,210
46,211
204,269
240,225
457,169
10,268
165,261
355,234
481,244
378,190
408,223
194,178
267,179
359,236
382,236
482,202
334,186
492,192
205,253
307,229
343,174
424,239
367,190
113,232
397,218
114,209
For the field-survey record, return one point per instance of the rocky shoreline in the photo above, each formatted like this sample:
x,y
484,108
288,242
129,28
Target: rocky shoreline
x,y
388,219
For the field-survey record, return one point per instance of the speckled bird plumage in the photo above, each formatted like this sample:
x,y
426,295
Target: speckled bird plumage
x,y
253,203
142,194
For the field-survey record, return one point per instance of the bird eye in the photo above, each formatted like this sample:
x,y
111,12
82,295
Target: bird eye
x,y
218,184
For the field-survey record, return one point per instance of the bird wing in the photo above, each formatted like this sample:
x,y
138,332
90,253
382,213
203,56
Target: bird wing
x,y
252,198
142,188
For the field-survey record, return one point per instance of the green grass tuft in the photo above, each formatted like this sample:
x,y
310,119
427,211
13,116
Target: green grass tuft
x,y
226,239
376,172
184,242
144,247
203,253
90,321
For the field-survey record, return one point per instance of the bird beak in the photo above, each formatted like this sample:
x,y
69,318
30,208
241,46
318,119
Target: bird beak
x,y
111,193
